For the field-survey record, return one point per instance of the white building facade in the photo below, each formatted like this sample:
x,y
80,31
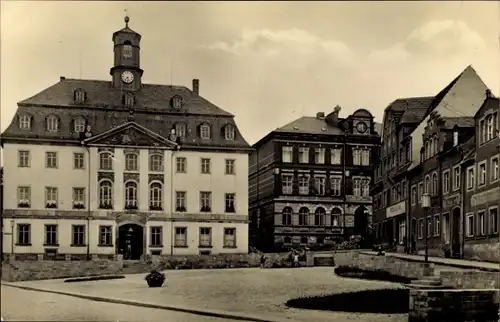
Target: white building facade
x,y
100,168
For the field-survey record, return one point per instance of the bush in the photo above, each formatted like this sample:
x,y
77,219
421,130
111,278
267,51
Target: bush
x,y
155,279
379,275
382,301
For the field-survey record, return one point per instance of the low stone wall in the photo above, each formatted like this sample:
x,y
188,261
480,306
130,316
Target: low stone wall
x,y
38,270
388,264
470,279
482,251
452,306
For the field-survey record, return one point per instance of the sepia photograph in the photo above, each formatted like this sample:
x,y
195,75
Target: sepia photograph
x,y
267,161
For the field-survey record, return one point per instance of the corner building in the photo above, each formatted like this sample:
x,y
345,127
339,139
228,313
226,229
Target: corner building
x,y
99,168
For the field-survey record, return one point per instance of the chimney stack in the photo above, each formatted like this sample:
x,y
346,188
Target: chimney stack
x,y
196,86
61,78
333,117
488,94
320,115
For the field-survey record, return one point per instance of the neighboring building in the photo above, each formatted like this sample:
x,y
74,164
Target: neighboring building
x,y
402,141
309,181
1,213
102,167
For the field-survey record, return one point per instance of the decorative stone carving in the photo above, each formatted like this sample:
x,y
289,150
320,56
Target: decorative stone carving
x,y
155,177
130,176
101,149
105,175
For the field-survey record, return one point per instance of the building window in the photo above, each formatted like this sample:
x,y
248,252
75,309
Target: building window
x,y
336,186
230,202
494,169
181,165
180,237
127,50
78,235
287,184
205,131
319,155
303,185
78,161
156,236
455,138
319,217
357,187
356,156
303,216
230,166
490,130
205,201
303,155
131,163
128,100
24,234
481,180
494,220
336,213
427,184
51,159
469,225
177,102
470,178
402,231
23,159
50,235
320,185
230,237
79,125
434,184
180,201
105,161
155,196
287,154
229,132
23,197
52,123
286,216
156,163
335,157
365,187
180,130
78,198
25,122
205,166
130,195
403,188
365,157
437,225
205,237
420,228
481,223
105,236
105,195
456,178
413,195
50,197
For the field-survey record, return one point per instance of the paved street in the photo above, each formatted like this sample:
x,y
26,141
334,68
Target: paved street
x,y
251,291
21,305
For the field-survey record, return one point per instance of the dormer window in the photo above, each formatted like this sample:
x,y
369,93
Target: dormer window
x,y
127,49
180,130
176,102
455,138
79,96
229,132
128,100
79,125
52,123
25,122
205,131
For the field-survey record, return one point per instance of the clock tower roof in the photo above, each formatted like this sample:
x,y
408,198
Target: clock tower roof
x,y
126,30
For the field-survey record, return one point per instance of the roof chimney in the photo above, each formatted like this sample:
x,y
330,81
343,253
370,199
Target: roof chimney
x,y
333,117
488,93
320,115
61,78
196,86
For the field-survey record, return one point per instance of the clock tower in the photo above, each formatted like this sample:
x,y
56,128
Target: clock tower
x,y
126,73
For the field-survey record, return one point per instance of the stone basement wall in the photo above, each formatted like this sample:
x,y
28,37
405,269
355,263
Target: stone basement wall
x,y
388,264
452,306
13,271
488,252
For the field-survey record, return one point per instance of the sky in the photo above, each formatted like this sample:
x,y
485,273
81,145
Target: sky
x,y
269,62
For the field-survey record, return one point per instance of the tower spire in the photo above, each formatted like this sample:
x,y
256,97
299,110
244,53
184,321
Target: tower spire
x,y
127,19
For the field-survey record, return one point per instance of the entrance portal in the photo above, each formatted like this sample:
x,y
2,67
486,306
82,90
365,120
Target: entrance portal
x,y
361,221
131,241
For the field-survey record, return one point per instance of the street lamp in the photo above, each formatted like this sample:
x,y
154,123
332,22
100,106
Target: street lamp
x,y
12,222
426,204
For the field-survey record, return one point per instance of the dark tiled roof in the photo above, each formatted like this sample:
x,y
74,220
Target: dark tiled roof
x,y
411,109
464,121
312,125
489,103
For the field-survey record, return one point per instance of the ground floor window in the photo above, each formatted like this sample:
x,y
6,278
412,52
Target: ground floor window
x,y
402,231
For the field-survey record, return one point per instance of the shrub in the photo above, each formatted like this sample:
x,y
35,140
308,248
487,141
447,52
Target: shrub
x,y
380,275
155,279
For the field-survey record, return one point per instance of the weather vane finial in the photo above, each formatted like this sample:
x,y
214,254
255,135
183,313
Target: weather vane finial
x,y
127,19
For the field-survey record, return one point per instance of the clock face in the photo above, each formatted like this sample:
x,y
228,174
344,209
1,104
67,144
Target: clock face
x,y
361,127
127,77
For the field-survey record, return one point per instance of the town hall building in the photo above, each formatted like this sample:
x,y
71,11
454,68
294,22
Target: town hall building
x,y
100,168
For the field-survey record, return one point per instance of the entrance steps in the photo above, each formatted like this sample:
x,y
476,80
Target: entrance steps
x,y
136,267
427,282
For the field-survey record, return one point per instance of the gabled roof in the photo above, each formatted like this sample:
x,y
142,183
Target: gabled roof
x,y
489,103
309,124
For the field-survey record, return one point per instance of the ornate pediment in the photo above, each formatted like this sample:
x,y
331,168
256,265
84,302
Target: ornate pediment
x,y
129,217
131,134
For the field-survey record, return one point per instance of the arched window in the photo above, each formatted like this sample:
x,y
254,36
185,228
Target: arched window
x,y
52,123
205,131
436,144
287,216
156,163
105,194
105,161
155,196
79,125
434,184
25,122
431,147
229,132
319,216
131,163
427,184
336,213
131,195
303,216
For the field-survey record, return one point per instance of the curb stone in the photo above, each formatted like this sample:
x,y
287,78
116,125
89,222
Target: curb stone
x,y
206,312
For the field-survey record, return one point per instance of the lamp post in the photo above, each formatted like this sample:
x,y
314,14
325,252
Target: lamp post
x,y
12,222
426,204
